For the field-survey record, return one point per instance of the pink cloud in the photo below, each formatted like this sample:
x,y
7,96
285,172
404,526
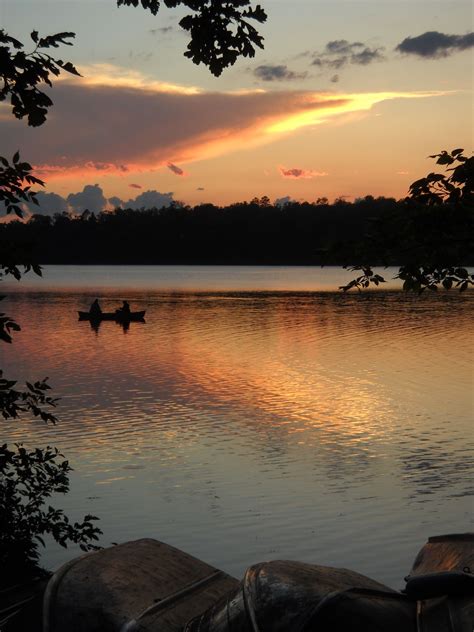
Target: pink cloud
x,y
296,173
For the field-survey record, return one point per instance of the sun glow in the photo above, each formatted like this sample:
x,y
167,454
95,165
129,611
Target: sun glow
x,y
320,108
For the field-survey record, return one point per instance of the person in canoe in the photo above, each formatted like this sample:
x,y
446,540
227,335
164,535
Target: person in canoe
x,y
95,309
124,310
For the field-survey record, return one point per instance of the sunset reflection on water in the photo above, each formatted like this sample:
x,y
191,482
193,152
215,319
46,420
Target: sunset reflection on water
x,y
242,426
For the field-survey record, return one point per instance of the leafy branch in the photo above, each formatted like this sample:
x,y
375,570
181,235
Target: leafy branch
x,y
23,72
457,188
28,479
33,400
15,184
436,228
220,30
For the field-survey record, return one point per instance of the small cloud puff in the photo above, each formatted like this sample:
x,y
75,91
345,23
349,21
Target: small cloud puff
x,y
175,169
434,45
277,73
90,198
283,201
339,53
297,173
115,202
49,204
150,199
161,30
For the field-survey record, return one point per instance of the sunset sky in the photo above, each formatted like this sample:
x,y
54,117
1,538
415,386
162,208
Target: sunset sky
x,y
348,98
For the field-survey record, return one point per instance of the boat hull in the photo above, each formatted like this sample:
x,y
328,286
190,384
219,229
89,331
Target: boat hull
x,y
144,585
114,316
149,586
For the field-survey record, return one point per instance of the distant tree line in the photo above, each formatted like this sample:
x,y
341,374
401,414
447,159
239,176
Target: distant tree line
x,y
255,232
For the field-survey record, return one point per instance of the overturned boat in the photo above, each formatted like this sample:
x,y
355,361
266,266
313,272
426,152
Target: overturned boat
x,y
148,586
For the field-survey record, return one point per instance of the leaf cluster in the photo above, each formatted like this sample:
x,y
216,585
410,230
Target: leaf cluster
x,y
7,325
15,184
27,480
220,30
435,227
24,73
364,280
34,400
454,187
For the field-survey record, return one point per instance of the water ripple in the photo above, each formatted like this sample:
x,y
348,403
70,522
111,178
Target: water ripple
x,y
242,425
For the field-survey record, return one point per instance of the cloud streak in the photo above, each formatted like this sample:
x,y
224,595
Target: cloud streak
x,y
435,45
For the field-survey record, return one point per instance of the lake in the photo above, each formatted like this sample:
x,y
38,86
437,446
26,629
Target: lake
x,y
259,413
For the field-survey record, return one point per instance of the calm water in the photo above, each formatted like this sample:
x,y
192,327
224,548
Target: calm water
x,y
255,416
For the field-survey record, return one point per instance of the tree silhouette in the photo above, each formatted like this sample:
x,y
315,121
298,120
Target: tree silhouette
x,y
435,226
29,478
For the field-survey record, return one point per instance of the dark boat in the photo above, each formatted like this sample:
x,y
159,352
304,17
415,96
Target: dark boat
x,y
286,596
119,317
149,586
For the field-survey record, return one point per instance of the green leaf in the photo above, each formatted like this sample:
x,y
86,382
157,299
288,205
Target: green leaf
x,y
447,284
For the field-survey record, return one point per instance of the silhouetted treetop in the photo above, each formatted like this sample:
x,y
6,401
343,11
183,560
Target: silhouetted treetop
x,y
220,31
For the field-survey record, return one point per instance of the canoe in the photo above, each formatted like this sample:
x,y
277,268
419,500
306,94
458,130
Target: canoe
x,y
149,586
143,585
115,316
280,596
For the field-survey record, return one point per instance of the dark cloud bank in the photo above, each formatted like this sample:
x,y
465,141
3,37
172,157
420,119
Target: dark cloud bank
x,y
434,45
92,198
340,53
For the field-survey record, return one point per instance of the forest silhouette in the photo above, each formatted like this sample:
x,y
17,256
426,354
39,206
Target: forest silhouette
x,y
256,232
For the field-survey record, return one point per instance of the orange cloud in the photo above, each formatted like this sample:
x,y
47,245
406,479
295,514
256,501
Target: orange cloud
x,y
116,123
